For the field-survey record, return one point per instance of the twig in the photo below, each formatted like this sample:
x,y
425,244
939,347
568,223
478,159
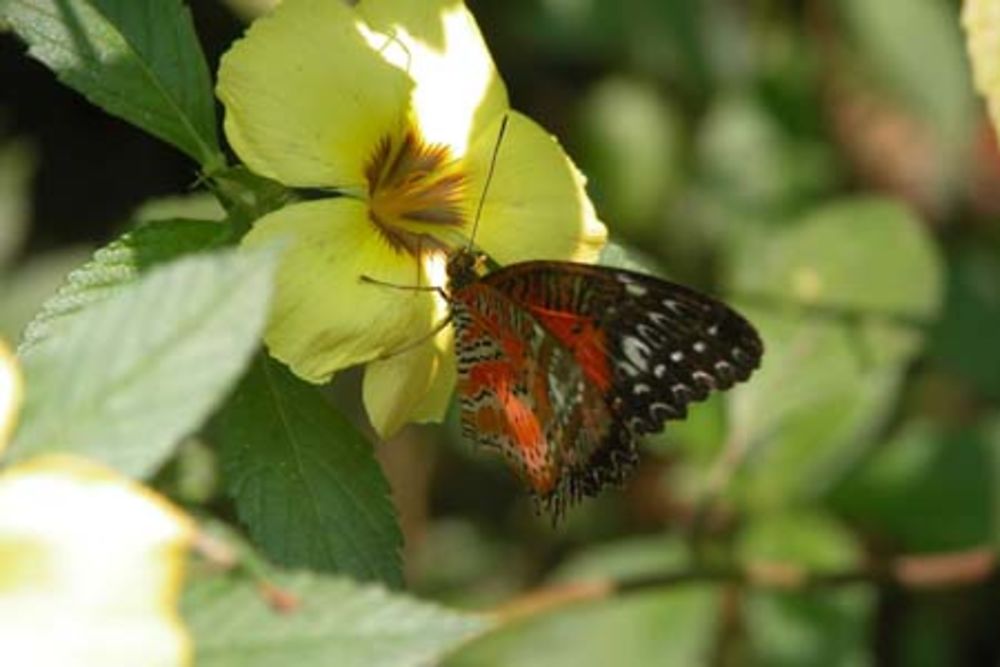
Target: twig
x,y
943,570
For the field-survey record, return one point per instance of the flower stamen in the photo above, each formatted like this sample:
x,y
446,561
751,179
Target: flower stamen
x,y
411,184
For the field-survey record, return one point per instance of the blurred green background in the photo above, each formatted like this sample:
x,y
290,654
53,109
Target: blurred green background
x,y
827,168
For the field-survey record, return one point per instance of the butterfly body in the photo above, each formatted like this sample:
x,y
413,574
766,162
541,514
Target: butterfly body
x,y
562,365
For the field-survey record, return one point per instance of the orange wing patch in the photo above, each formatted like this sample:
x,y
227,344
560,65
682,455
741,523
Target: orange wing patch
x,y
509,420
584,339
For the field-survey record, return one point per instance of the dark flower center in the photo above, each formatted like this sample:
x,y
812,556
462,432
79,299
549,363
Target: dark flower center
x,y
414,186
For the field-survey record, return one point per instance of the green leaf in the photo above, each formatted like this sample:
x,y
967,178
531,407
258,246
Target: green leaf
x,y
118,264
137,59
835,257
335,622
199,205
828,627
305,482
25,289
928,489
126,379
840,318
965,340
669,627
672,626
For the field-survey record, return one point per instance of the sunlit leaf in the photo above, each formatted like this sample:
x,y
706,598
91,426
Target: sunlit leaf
x,y
332,621
25,288
118,264
137,59
127,378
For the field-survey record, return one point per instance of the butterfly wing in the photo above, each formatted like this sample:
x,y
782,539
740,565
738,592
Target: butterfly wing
x,y
524,393
650,345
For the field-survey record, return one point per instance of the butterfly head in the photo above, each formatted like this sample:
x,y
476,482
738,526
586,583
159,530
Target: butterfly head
x,y
465,267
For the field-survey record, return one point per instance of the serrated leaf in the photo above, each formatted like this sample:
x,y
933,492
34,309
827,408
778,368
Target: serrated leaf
x,y
305,482
127,378
118,264
335,622
24,289
137,59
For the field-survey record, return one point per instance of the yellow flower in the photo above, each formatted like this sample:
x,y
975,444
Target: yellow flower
x,y
981,19
91,567
10,394
396,105
91,563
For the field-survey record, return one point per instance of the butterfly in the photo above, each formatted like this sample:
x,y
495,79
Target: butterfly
x,y
563,366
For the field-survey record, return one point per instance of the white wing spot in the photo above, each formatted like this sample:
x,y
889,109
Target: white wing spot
x,y
659,370
636,351
713,330
704,378
699,347
641,388
628,368
659,319
677,357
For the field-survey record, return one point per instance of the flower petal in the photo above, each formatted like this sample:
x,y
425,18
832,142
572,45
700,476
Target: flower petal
x,y
10,394
307,98
414,386
91,566
981,19
536,206
458,90
324,316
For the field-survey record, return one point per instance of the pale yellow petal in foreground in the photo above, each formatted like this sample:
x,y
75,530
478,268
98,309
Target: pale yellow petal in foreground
x,y
307,99
981,19
10,394
537,206
90,569
414,386
325,317
457,88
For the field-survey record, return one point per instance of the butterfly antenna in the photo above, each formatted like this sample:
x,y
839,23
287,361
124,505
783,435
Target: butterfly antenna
x,y
489,177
